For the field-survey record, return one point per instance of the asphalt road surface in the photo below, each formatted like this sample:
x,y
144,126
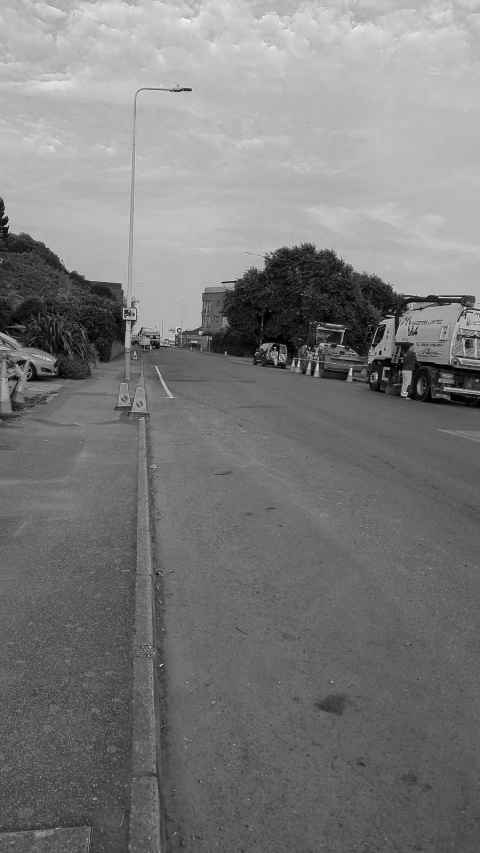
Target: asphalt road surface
x,y
318,596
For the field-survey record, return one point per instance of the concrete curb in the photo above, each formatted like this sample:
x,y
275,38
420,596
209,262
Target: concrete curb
x,y
144,825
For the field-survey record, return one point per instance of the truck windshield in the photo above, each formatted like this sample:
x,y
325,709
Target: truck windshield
x,y
325,336
379,333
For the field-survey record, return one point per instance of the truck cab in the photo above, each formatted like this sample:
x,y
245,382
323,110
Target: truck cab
x,y
383,341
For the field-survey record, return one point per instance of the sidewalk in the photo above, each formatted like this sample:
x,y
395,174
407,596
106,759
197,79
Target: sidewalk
x,y
67,564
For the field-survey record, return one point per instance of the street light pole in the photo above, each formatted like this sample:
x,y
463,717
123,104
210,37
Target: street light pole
x,y
128,323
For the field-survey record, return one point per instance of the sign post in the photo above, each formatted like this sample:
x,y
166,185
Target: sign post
x,y
130,317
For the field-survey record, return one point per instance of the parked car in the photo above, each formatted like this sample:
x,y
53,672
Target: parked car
x,y
271,354
36,362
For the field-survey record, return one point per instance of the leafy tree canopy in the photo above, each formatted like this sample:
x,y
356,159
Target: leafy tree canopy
x,y
301,286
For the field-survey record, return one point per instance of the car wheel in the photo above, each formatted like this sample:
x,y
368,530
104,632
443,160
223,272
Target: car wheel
x,y
30,372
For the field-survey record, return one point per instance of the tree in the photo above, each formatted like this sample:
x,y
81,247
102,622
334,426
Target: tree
x,y
27,309
248,305
300,286
6,313
20,243
3,222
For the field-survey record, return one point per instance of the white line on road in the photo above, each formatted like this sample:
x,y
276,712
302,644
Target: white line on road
x,y
165,386
471,435
20,528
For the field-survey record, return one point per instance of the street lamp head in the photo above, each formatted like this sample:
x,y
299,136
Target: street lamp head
x,y
180,89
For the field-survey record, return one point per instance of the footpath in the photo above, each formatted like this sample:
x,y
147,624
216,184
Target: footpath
x,y
68,523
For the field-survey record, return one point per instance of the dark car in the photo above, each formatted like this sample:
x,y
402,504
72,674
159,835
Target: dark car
x,y
272,354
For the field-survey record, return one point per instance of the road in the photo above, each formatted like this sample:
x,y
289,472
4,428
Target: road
x,y
318,592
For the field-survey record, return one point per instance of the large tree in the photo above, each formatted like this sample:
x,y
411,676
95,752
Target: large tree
x,y
300,286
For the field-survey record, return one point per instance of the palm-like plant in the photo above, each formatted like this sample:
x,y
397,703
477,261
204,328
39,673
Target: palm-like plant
x,y
59,335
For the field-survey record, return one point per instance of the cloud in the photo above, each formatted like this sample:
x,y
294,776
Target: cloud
x,y
352,121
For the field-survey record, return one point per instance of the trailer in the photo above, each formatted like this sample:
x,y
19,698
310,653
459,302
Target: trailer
x,y
445,333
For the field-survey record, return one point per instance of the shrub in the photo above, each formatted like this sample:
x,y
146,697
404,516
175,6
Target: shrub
x,y
73,367
6,313
57,334
103,347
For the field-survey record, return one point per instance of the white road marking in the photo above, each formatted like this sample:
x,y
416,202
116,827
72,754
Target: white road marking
x,y
471,435
21,527
164,384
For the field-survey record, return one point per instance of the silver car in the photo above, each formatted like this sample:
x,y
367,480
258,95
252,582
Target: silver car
x,y
36,362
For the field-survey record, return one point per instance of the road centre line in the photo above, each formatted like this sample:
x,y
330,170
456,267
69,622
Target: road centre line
x,y
164,384
471,435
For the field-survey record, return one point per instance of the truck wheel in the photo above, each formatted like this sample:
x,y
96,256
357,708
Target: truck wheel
x,y
422,389
374,377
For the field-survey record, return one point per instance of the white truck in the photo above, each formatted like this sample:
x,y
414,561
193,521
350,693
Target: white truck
x,y
445,333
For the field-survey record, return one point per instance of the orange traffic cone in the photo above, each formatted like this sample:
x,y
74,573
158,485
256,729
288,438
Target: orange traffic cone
x,y
308,371
134,355
316,372
5,402
292,366
124,401
298,368
349,375
139,405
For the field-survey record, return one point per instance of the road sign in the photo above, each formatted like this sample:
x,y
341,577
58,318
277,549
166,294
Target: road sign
x,y
130,314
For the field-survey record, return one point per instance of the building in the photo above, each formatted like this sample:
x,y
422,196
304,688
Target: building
x,y
213,300
114,287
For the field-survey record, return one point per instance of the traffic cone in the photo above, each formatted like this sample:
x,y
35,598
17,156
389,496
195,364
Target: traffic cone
x,y
5,402
308,371
298,368
134,355
18,396
139,405
124,401
349,375
316,372
292,366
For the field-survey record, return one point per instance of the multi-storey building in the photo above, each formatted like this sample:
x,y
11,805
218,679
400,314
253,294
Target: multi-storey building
x,y
213,300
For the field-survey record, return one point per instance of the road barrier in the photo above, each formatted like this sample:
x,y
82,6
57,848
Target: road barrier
x,y
124,400
139,405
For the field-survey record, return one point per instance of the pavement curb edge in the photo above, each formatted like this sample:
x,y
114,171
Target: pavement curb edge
x,y
144,822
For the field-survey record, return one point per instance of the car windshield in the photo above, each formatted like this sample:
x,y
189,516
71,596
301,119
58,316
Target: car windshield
x,y
7,341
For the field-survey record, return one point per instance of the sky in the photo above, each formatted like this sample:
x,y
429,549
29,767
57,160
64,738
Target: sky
x,y
352,124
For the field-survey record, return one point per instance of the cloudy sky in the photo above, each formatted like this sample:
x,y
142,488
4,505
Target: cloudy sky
x,y
353,124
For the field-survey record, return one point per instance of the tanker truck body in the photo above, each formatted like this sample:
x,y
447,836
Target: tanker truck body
x,y
445,333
